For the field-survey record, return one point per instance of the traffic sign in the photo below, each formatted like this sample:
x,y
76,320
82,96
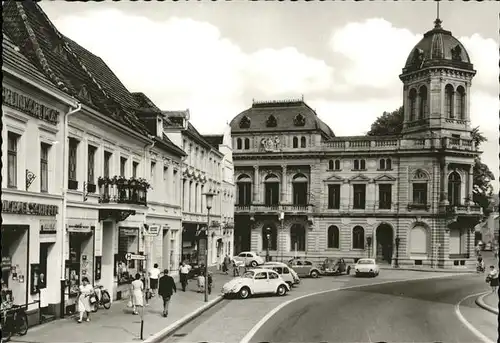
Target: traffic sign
x,y
129,256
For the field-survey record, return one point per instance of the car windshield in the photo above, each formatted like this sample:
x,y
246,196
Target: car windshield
x,y
248,275
365,262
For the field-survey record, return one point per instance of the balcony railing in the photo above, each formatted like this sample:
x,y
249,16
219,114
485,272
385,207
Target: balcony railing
x,y
463,209
287,208
418,207
123,191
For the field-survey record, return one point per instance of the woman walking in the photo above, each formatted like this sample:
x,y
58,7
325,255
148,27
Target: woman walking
x,y
137,289
85,291
492,278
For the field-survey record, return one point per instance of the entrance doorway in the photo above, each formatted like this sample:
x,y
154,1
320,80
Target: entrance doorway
x,y
385,240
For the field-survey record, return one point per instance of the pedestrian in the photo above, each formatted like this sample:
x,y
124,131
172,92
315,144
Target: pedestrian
x,y
154,274
183,275
226,264
236,269
165,289
492,279
137,289
201,282
210,282
85,292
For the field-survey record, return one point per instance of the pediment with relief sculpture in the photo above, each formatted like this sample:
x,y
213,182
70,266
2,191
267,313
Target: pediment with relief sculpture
x,y
385,178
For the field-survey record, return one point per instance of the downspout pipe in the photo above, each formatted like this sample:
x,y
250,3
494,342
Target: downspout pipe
x,y
65,199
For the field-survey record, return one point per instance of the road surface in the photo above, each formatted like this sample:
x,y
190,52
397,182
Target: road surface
x,y
412,311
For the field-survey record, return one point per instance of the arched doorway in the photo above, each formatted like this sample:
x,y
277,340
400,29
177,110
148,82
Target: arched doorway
x,y
384,236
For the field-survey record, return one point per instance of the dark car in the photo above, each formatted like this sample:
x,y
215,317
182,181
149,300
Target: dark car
x,y
336,266
195,270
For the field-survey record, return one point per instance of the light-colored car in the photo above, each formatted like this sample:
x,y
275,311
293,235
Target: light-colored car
x,y
248,258
306,267
256,281
286,273
366,266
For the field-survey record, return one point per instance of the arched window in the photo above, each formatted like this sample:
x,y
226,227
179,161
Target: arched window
x,y
461,103
244,189
299,186
412,98
423,108
297,237
358,238
448,101
337,164
418,240
330,165
303,142
272,240
388,164
238,144
419,187
356,165
247,143
333,237
362,165
385,164
272,190
382,164
454,186
295,142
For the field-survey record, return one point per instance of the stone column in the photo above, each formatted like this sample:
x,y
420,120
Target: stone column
x,y
255,184
444,183
203,200
193,195
185,195
283,184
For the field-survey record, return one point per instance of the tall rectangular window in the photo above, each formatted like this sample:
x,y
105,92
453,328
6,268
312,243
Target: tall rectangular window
x,y
174,185
166,180
44,167
385,196
91,164
420,193
73,158
153,167
359,196
135,165
123,166
12,159
107,163
334,197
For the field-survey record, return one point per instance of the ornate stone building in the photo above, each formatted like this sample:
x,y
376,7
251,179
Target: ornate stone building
x,y
401,199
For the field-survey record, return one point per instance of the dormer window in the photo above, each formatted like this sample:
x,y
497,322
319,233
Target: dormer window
x,y
299,120
456,53
245,123
271,121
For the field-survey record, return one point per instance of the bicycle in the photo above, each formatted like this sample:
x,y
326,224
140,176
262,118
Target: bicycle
x,y
14,321
103,300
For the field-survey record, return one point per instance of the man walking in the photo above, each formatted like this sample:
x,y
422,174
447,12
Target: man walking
x,y
183,275
154,273
165,289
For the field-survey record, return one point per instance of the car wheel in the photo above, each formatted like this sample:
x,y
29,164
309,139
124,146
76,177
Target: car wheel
x,y
244,293
290,284
253,264
281,291
314,274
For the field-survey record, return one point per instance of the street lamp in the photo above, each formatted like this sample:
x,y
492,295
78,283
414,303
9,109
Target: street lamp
x,y
282,219
397,240
268,239
209,197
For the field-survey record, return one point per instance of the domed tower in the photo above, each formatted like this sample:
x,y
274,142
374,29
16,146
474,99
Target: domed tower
x,y
437,78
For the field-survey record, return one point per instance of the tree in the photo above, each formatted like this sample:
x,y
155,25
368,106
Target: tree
x,y
391,123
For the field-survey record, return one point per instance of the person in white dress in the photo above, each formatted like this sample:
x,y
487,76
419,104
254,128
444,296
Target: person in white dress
x,y
137,289
85,291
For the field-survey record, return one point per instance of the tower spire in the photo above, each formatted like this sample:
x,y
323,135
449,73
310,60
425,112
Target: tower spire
x,y
437,22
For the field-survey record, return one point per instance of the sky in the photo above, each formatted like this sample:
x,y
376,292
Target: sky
x,y
343,57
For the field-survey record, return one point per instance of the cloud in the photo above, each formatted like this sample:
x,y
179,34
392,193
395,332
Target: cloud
x,y
483,53
377,51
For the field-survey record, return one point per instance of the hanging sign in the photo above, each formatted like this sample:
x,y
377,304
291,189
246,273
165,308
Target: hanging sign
x,y
48,227
6,263
129,256
152,230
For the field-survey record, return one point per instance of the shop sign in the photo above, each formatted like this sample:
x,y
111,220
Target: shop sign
x,y
29,106
128,232
33,208
152,230
6,263
129,256
81,227
48,226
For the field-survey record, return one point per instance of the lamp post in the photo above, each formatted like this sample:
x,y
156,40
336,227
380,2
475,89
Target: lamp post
x,y
209,197
369,244
397,240
268,238
282,219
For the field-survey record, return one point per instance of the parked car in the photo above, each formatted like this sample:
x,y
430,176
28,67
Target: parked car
x,y
248,258
306,268
366,266
286,273
336,266
256,281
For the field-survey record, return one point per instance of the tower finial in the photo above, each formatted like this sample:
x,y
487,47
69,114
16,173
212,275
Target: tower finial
x,y
437,22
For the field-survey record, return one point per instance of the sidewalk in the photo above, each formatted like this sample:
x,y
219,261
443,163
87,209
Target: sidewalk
x,y
118,324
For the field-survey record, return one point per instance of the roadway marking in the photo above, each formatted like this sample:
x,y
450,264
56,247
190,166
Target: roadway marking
x,y
468,325
268,316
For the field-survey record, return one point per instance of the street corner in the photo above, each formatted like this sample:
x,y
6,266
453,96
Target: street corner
x,y
488,301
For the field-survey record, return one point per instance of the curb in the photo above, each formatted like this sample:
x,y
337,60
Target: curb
x,y
453,271
160,335
480,302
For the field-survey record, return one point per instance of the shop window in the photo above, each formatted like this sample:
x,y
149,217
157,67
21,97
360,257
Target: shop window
x,y
12,143
135,165
81,254
107,163
72,164
91,164
44,167
128,241
14,259
123,166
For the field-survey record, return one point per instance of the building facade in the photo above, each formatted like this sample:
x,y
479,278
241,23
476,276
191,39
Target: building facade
x,y
91,175
404,200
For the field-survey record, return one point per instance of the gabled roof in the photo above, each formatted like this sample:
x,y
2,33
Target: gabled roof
x,y
144,103
67,65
